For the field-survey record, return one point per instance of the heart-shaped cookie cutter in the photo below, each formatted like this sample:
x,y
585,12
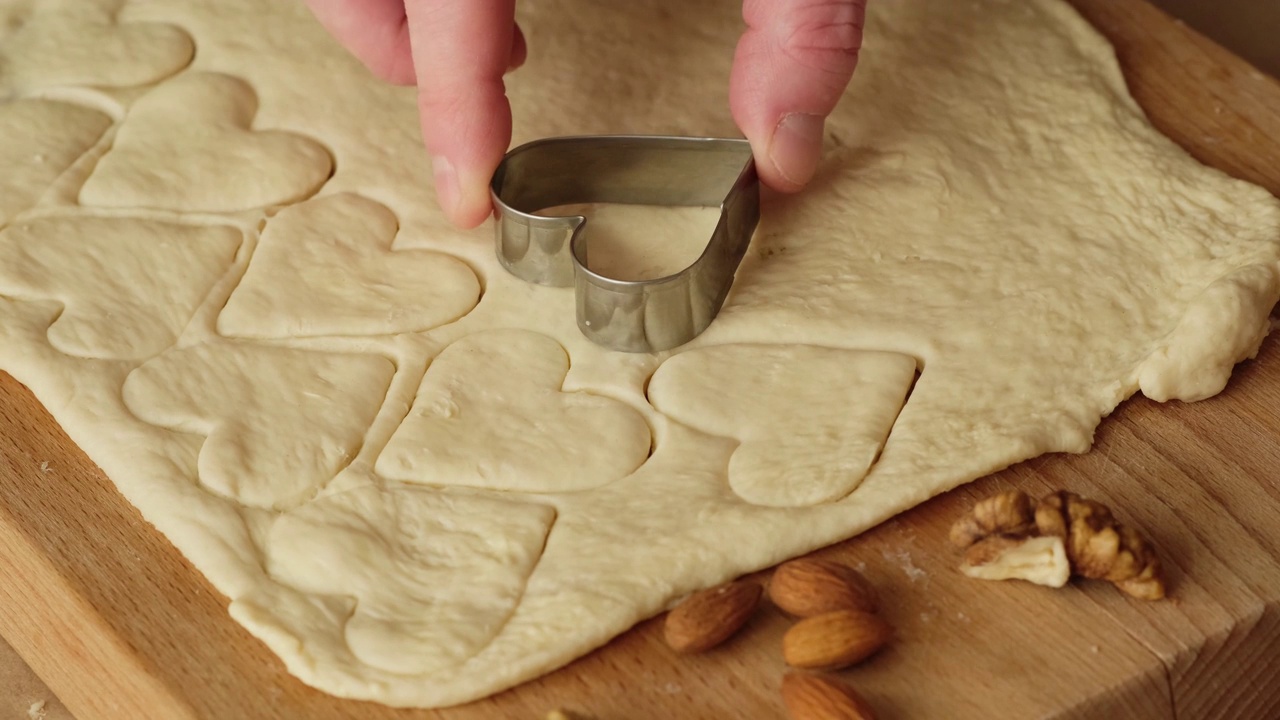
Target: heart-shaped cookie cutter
x,y
627,315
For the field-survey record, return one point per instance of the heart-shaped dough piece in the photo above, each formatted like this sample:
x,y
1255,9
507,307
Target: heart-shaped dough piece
x,y
325,267
641,242
187,146
128,285
278,423
435,576
39,139
805,439
51,43
490,413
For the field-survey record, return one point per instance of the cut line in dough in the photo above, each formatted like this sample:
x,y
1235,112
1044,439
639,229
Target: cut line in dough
x,y
325,267
491,413
278,423
128,285
993,207
803,440
214,161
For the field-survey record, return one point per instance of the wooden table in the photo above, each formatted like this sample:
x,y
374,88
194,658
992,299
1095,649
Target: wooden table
x,y
120,626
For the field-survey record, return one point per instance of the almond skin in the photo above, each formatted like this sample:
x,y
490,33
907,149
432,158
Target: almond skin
x,y
709,617
807,587
813,697
834,640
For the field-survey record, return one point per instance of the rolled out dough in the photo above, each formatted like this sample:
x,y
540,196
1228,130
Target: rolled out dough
x,y
413,478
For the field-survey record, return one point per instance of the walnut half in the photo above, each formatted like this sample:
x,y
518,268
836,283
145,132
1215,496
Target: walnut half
x,y
1007,513
1041,560
1006,539
1099,547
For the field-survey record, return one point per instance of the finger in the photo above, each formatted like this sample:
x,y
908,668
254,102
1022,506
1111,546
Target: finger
x,y
460,52
375,31
519,49
791,67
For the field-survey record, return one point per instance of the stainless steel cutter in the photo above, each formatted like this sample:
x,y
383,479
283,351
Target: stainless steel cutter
x,y
627,315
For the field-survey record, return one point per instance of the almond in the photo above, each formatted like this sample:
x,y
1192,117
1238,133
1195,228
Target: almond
x,y
807,586
834,640
707,618
813,697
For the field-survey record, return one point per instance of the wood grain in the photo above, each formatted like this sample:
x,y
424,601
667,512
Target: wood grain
x,y
120,625
22,695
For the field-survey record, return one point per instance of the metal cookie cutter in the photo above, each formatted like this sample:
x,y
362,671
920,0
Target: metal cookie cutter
x,y
627,315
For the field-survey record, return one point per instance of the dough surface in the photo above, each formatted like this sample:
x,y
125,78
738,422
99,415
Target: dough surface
x,y
41,140
413,478
490,413
60,43
803,439
345,279
128,286
199,123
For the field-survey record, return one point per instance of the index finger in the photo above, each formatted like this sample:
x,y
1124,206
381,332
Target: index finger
x,y
461,49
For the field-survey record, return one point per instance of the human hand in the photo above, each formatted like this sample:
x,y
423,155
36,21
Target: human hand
x,y
456,52
791,67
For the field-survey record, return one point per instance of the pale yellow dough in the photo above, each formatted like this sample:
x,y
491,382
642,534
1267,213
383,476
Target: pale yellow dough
x,y
92,265
199,122
344,279
410,474
641,242
278,423
78,43
804,438
490,414
41,140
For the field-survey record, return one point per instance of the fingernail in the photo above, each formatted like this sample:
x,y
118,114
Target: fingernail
x,y
448,193
796,146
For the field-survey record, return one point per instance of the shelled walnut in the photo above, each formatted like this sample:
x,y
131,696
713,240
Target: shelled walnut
x,y
1041,560
1008,513
1099,547
1005,538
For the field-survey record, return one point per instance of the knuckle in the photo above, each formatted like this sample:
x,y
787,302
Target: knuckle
x,y
825,36
455,112
436,103
456,96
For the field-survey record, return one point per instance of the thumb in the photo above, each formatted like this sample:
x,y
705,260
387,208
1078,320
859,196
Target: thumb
x,y
791,67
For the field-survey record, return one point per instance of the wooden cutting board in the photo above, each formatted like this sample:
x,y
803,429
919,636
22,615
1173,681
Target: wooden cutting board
x,y
120,626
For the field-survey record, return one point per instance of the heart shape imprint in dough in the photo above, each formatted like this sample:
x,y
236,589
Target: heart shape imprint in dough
x,y
52,43
325,267
187,146
641,242
805,439
278,423
435,576
490,413
39,139
128,286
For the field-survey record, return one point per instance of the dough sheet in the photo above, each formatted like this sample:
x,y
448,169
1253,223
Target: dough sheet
x,y
223,272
